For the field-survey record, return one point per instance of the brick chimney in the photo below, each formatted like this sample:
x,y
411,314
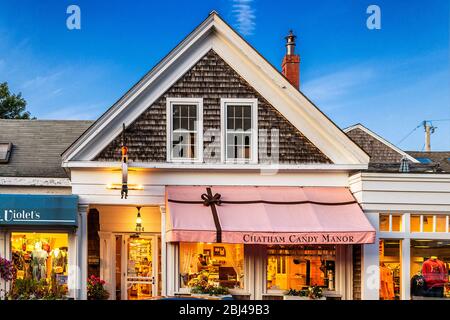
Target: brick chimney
x,y
291,61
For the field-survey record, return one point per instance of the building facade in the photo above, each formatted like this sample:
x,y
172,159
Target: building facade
x,y
215,169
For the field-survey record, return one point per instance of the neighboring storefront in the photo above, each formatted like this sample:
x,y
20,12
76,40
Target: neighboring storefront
x,y
38,234
39,218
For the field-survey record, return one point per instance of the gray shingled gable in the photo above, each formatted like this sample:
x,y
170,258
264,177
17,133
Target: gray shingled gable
x,y
38,145
211,78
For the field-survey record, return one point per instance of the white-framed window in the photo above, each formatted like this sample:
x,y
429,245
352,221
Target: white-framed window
x,y
185,129
391,222
430,223
239,130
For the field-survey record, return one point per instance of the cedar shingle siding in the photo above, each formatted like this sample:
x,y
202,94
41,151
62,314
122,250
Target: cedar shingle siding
x,y
377,150
211,79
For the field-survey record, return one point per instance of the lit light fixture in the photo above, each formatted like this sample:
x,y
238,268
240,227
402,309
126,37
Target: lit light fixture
x,y
118,186
139,228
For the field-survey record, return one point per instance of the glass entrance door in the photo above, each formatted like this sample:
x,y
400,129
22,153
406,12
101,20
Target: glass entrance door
x,y
141,267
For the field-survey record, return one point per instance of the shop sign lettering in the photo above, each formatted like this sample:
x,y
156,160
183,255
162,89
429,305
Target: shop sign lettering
x,y
298,238
19,215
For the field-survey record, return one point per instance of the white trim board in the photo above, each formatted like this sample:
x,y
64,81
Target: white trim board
x,y
214,33
34,182
382,140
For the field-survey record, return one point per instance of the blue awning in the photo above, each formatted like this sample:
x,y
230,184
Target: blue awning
x,y
38,210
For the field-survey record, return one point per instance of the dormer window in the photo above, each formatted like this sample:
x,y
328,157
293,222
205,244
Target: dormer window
x,y
5,152
184,129
240,135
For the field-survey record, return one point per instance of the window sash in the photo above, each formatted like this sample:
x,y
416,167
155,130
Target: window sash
x,y
185,127
239,131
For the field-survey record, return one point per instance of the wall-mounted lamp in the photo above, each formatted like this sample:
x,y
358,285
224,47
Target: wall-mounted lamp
x,y
118,186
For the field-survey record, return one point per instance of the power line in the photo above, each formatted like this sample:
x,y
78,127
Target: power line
x,y
410,133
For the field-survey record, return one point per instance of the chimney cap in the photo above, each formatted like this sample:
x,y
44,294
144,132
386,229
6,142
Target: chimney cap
x,y
290,42
291,35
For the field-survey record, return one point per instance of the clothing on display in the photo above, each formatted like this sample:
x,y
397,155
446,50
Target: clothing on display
x,y
418,285
386,283
434,272
38,262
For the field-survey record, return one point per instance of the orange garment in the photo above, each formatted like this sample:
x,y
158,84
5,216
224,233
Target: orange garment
x,y
386,283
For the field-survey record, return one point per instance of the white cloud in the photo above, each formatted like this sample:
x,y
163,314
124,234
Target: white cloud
x,y
245,16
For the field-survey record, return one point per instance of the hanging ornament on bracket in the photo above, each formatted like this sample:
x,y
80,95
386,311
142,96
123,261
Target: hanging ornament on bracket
x,y
124,151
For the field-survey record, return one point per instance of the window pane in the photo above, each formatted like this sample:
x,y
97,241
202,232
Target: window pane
x,y
427,223
441,222
40,257
184,145
203,264
247,124
415,223
396,223
429,268
193,111
384,222
297,267
390,269
247,111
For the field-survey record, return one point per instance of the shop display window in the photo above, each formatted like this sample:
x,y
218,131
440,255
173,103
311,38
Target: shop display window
x,y
390,269
430,264
218,265
41,259
299,267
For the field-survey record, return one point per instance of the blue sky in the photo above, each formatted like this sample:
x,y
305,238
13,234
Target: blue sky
x,y
389,79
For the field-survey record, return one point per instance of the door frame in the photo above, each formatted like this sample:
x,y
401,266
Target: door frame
x,y
124,261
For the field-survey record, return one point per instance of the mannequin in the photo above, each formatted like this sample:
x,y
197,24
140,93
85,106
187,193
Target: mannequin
x,y
38,262
386,282
58,260
435,274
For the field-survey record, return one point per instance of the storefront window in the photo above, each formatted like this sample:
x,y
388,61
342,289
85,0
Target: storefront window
x,y
427,223
298,267
390,266
430,223
415,223
41,262
384,222
390,222
214,264
441,223
430,264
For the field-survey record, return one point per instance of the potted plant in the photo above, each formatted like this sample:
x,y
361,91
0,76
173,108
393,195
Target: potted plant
x,y
96,289
30,289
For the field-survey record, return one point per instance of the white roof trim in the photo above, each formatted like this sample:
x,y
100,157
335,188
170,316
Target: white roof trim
x,y
215,166
35,182
379,138
214,33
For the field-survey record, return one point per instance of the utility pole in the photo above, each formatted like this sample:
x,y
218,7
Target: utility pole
x,y
429,129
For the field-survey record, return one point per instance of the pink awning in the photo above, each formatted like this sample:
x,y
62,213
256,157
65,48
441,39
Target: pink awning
x,y
266,215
